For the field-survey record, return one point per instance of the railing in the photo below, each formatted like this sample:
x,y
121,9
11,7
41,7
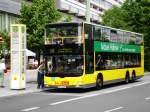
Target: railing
x,y
63,40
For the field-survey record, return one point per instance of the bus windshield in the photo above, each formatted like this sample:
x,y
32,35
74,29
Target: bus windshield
x,y
65,65
63,34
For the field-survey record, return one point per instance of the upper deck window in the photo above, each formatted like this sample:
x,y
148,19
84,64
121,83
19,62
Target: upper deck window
x,y
139,39
63,34
108,34
105,34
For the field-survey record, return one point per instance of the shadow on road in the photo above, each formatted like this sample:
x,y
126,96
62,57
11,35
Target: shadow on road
x,y
77,90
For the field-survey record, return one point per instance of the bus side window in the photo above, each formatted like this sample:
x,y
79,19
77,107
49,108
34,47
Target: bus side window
x,y
139,40
126,36
100,64
113,36
138,60
97,33
105,34
89,64
120,36
132,39
127,61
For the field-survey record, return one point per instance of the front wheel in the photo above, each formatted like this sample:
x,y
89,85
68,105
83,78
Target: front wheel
x,y
99,83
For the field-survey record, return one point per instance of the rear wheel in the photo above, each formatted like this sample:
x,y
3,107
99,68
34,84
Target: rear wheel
x,y
127,79
133,76
99,83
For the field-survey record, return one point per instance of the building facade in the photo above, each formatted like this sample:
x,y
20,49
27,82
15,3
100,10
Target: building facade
x,y
78,8
10,10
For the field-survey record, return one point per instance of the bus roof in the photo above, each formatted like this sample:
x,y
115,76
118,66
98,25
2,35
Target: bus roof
x,y
113,28
79,23
64,23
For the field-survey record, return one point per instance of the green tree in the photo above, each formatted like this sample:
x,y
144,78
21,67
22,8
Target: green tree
x,y
6,40
114,17
5,45
36,15
133,15
65,17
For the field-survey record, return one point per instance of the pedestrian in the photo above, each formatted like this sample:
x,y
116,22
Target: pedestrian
x,y
40,78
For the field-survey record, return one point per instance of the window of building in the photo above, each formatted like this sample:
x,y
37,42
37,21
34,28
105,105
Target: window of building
x,y
11,20
2,22
82,1
107,4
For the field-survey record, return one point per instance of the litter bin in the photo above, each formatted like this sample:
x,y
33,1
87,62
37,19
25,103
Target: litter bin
x,y
1,78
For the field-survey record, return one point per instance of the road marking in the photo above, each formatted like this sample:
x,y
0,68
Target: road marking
x,y
141,84
73,99
128,87
148,98
114,109
97,94
29,109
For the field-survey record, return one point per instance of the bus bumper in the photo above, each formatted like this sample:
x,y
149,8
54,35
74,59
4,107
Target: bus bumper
x,y
53,86
72,86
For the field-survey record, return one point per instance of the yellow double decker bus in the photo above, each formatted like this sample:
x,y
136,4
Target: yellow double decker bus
x,y
82,55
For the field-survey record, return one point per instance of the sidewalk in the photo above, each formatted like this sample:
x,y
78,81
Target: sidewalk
x,y
31,85
30,88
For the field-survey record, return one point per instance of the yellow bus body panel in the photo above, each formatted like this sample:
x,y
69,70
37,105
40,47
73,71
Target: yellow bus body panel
x,y
86,79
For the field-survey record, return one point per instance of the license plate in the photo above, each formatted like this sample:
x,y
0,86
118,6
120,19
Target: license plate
x,y
62,83
65,83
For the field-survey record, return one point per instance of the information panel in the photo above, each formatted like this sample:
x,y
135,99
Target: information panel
x,y
18,56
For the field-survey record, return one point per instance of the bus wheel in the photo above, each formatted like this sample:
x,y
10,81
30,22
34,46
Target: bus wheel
x,y
99,83
127,79
133,76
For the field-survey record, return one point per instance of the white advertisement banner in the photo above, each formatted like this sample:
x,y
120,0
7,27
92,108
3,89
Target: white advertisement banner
x,y
15,41
15,64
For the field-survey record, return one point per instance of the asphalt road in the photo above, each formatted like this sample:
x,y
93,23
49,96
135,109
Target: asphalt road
x,y
132,97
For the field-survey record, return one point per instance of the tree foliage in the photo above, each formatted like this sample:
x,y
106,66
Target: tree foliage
x,y
36,15
114,17
5,45
133,15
